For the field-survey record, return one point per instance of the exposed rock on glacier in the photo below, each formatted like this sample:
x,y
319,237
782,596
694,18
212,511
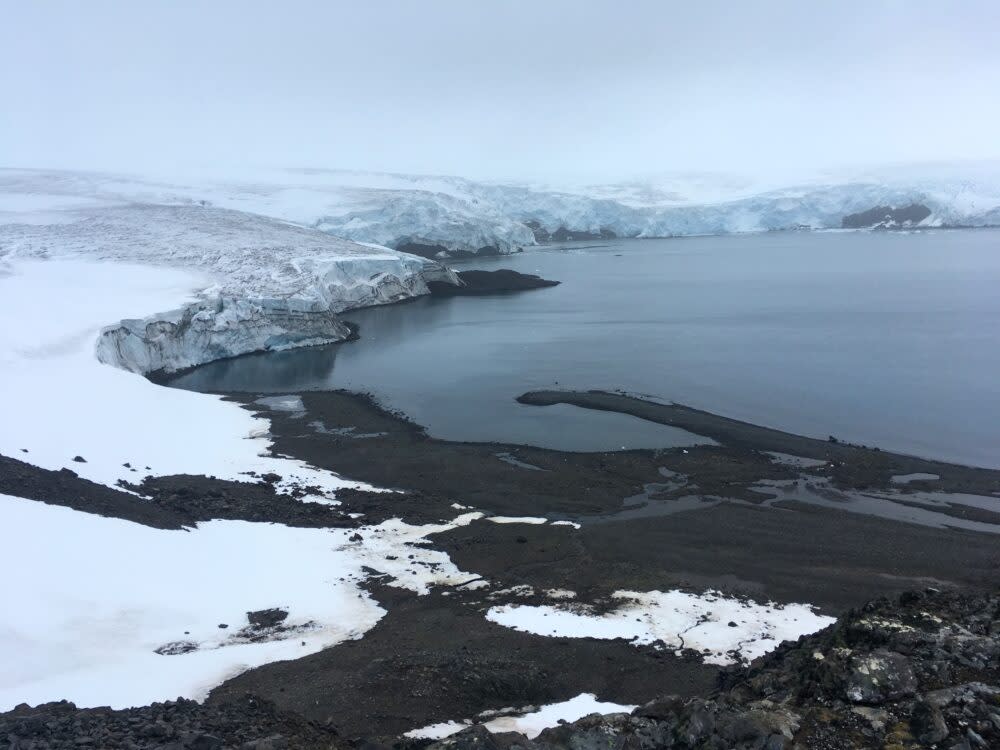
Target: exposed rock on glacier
x,y
887,217
562,234
276,285
501,281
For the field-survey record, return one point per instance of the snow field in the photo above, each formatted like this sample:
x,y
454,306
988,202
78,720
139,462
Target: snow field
x,y
530,723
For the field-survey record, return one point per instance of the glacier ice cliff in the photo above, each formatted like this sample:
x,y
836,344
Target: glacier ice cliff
x,y
269,284
215,329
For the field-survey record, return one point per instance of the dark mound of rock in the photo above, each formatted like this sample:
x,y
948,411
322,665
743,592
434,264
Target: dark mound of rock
x,y
249,724
887,217
267,618
501,281
920,672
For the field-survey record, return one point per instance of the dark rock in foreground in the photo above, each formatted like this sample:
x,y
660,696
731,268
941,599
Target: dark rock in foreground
x,y
489,282
920,672
887,217
250,724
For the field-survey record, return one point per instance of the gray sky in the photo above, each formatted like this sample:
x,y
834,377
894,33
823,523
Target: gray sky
x,y
500,88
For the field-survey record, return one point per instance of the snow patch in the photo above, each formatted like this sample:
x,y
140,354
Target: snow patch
x,y
529,723
144,614
725,630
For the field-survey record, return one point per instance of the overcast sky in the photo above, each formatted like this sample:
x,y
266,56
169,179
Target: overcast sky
x,y
498,89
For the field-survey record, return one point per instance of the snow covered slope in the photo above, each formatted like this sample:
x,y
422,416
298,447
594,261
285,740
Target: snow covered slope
x,y
390,210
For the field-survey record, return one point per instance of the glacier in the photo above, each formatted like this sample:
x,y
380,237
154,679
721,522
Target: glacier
x,y
287,250
270,284
456,216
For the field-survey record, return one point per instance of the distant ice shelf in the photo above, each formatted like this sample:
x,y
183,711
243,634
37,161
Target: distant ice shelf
x,y
445,216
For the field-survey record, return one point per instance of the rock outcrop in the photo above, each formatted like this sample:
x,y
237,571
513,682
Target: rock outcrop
x,y
920,672
251,724
564,234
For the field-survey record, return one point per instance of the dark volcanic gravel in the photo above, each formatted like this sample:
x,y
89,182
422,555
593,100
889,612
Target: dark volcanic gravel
x,y
246,723
435,657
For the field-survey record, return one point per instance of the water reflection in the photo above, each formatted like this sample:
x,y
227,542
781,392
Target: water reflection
x,y
292,370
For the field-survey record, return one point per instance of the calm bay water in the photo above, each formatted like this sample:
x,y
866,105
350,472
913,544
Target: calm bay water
x,y
878,338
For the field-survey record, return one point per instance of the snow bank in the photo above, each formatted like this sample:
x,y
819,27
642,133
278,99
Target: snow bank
x,y
389,210
61,402
529,723
724,630
531,520
103,611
